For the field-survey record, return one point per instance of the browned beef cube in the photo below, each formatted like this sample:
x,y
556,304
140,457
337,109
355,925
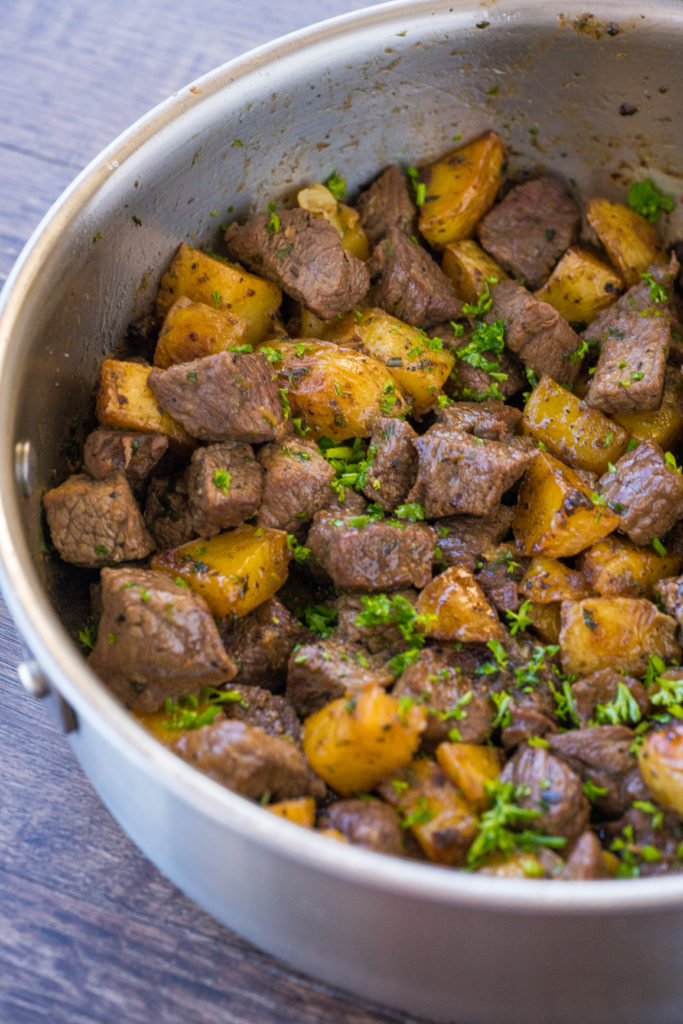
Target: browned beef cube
x,y
457,708
260,708
372,555
586,860
249,761
602,756
645,491
134,453
462,539
369,823
324,670
530,229
156,639
304,255
601,688
411,285
387,204
230,396
394,465
670,593
96,522
386,637
640,298
347,501
500,575
555,791
491,419
224,486
260,643
167,512
472,382
629,376
460,473
662,832
297,483
542,339
531,714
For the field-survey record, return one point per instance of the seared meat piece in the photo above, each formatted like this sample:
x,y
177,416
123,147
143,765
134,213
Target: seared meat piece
x,y
297,484
352,503
377,555
411,285
602,687
542,339
230,396
305,256
555,791
586,860
260,643
670,593
630,371
96,522
156,639
499,577
320,672
457,708
249,761
260,708
462,539
530,229
369,823
491,419
473,382
224,485
530,716
645,832
386,204
645,491
167,512
602,756
131,451
385,638
641,297
460,473
393,468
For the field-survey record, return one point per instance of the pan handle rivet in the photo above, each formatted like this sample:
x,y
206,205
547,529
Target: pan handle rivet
x,y
25,467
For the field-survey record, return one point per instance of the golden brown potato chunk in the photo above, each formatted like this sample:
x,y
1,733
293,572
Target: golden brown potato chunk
x,y
193,329
580,286
615,632
456,608
631,243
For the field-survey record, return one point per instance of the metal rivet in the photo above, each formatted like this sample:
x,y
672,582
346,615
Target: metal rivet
x,y
32,679
25,467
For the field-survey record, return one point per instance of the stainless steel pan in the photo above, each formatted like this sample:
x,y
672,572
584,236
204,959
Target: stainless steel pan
x,y
593,96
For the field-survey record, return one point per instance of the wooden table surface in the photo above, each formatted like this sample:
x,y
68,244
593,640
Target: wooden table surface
x,y
90,932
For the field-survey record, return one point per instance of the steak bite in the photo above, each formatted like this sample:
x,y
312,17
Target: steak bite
x,y
361,554
393,468
542,339
491,419
629,376
645,491
156,639
247,760
530,229
586,861
384,637
224,485
602,687
304,255
297,483
460,473
131,451
642,298
324,670
230,396
655,838
386,204
462,539
411,285
602,756
258,707
96,522
554,790
369,823
670,593
260,643
167,512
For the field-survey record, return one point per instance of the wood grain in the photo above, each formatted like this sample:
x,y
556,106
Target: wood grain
x,y
90,932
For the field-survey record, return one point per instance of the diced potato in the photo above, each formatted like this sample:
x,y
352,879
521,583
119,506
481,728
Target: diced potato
x,y
545,620
298,810
520,864
333,833
661,765
470,766
547,580
456,608
157,723
125,401
460,188
318,199
664,425
580,286
556,514
616,565
354,743
336,391
192,330
433,809
571,431
311,326
469,268
223,285
614,632
417,362
631,242
234,572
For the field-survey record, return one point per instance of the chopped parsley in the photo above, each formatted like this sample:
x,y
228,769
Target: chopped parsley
x,y
193,712
221,479
337,186
216,299
299,552
498,829
657,291
519,620
645,198
319,618
623,709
